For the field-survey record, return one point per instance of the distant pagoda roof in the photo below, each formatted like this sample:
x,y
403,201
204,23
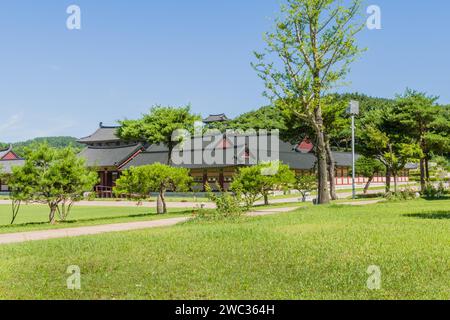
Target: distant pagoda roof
x,y
103,134
216,118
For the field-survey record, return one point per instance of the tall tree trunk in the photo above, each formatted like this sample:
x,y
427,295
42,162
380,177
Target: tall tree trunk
x,y
427,169
366,188
322,168
388,180
321,154
331,171
422,175
395,181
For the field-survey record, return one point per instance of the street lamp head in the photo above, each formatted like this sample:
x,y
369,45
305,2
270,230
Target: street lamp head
x,y
353,108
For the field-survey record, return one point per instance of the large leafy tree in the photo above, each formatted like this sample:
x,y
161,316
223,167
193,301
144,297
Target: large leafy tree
x,y
56,177
419,117
159,125
139,182
380,138
257,181
336,124
313,44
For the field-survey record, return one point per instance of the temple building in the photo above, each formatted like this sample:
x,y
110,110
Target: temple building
x,y
109,156
8,159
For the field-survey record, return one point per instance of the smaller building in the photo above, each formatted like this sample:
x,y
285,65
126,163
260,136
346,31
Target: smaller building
x,y
106,153
214,118
8,160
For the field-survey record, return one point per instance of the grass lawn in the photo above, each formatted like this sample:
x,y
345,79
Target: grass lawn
x,y
35,217
154,199
313,253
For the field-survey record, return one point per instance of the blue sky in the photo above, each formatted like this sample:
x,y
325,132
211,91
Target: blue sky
x,y
133,54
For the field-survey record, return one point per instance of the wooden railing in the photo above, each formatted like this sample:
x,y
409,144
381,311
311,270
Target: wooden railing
x,y
104,192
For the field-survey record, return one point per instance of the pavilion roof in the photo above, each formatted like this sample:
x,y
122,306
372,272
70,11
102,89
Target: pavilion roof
x,y
109,156
102,134
216,118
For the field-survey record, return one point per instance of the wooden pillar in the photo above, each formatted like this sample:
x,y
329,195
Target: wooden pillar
x,y
221,180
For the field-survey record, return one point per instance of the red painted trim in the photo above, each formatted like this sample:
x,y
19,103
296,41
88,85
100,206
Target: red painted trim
x,y
130,158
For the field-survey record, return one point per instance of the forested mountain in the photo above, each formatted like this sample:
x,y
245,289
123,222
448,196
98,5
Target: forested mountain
x,y
57,142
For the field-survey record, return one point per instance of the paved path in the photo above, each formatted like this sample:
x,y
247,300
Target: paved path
x,y
93,230
186,205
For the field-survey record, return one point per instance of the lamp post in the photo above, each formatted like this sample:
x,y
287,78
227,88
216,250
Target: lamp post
x,y
353,110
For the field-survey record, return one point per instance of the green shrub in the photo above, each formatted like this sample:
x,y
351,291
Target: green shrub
x,y
433,192
228,205
408,193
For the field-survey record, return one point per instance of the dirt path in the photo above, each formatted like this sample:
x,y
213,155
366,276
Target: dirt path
x,y
93,230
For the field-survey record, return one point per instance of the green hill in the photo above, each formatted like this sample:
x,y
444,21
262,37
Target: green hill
x,y
56,142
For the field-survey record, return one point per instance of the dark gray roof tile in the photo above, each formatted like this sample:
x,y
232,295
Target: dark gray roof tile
x,y
103,134
216,118
108,156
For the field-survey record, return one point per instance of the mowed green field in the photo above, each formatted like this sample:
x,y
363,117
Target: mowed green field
x,y
313,253
35,217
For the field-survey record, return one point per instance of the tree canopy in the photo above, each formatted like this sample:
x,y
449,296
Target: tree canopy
x,y
56,177
139,182
308,53
257,181
418,116
159,125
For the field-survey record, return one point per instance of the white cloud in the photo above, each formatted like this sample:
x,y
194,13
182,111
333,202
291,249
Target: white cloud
x,y
20,127
14,122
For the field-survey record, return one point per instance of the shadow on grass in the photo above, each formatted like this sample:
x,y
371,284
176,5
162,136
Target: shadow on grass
x,y
369,196
106,219
437,199
436,215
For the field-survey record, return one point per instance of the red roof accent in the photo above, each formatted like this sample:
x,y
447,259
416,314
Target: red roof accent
x,y
10,156
225,144
305,146
130,158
